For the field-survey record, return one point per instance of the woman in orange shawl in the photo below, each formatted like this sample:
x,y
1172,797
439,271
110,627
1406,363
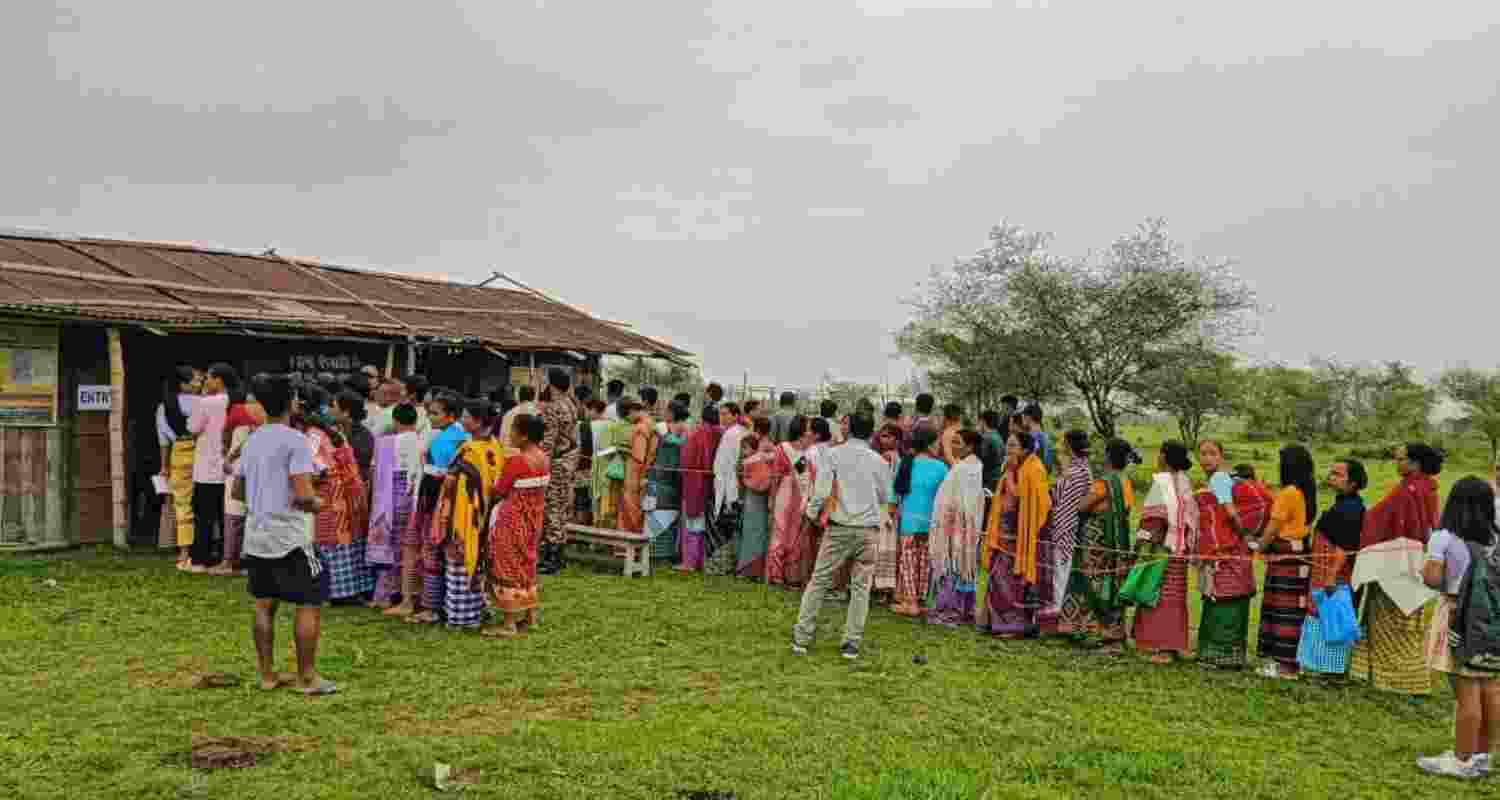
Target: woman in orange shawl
x,y
1392,655
638,463
1015,594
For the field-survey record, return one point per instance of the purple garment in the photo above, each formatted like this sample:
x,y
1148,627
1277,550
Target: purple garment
x,y
691,548
955,603
383,541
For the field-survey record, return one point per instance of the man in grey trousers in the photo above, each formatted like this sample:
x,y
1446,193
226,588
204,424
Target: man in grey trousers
x,y
863,491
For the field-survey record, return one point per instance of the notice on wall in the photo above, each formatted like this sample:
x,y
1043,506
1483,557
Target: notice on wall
x,y
311,365
28,375
95,398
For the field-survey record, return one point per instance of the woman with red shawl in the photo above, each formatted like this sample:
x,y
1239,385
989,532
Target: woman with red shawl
x,y
698,487
1392,655
516,527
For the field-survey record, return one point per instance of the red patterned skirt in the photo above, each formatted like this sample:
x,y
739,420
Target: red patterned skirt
x,y
515,532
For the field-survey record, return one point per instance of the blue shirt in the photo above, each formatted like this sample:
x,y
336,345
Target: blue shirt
x,y
927,476
1223,487
1044,449
445,445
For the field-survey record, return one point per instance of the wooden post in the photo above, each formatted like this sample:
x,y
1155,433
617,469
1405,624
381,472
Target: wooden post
x,y
30,529
56,531
117,441
5,485
390,362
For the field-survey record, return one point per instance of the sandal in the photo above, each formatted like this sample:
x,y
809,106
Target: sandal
x,y
500,632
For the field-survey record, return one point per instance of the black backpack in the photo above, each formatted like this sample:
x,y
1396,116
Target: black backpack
x,y
1474,631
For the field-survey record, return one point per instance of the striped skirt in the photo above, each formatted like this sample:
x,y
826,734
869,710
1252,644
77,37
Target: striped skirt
x,y
1224,633
1283,608
1392,655
915,569
1165,627
348,576
462,607
1316,655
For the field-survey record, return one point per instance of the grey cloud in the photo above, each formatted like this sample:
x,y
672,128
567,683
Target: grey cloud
x,y
825,74
858,113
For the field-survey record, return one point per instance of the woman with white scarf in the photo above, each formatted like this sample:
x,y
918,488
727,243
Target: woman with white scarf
x,y
954,536
1169,529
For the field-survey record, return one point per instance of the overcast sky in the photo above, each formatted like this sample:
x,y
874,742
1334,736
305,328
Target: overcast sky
x,y
763,182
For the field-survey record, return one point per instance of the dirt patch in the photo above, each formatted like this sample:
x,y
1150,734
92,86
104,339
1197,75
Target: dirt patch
x,y
226,752
216,680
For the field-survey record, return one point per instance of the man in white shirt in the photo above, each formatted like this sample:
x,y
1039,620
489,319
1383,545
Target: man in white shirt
x,y
863,489
275,482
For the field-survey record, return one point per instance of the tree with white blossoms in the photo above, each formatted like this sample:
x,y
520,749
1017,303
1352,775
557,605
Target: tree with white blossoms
x,y
960,329
1097,325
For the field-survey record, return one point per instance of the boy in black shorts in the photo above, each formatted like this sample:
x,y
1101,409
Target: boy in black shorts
x,y
276,484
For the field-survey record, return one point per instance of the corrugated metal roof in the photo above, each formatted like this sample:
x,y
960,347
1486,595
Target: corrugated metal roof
x,y
177,285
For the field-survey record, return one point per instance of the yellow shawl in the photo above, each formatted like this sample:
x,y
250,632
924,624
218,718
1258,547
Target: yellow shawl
x,y
470,487
1033,504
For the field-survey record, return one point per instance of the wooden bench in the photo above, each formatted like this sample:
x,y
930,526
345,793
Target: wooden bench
x,y
637,546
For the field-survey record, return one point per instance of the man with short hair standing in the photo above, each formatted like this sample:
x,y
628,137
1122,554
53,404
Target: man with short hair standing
x,y
561,444
781,423
275,482
864,489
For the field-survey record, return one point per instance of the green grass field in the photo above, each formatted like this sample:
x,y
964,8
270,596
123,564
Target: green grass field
x,y
653,688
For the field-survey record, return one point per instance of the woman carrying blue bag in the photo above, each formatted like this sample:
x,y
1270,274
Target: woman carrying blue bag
x,y
1330,629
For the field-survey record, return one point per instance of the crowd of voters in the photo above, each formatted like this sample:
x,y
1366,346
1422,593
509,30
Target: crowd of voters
x,y
441,510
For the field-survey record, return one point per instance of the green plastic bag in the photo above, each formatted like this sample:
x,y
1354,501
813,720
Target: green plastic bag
x,y
616,469
1142,586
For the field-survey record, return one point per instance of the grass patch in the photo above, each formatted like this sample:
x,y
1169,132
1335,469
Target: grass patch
x,y
649,689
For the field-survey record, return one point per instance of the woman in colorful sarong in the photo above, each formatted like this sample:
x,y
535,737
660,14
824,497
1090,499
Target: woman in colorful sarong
x,y
752,546
1466,530
1335,540
954,537
639,458
343,521
1018,577
462,523
1391,654
888,445
515,528
1101,558
916,485
698,488
1169,530
1060,536
398,464
790,486
1226,571
178,445
1284,604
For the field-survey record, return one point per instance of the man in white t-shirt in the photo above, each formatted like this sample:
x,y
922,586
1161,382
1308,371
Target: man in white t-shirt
x,y
276,484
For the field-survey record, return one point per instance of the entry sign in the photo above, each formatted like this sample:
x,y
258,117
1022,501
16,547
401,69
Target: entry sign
x,y
95,398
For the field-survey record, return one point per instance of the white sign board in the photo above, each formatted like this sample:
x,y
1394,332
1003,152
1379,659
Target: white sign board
x,y
95,398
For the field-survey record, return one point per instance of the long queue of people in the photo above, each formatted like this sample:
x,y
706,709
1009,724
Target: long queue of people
x,y
1003,529
437,509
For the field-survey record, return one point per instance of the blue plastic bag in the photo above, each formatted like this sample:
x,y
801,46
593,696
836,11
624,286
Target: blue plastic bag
x,y
1336,615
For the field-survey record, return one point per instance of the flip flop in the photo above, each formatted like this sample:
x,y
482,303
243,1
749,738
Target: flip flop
x,y
324,687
